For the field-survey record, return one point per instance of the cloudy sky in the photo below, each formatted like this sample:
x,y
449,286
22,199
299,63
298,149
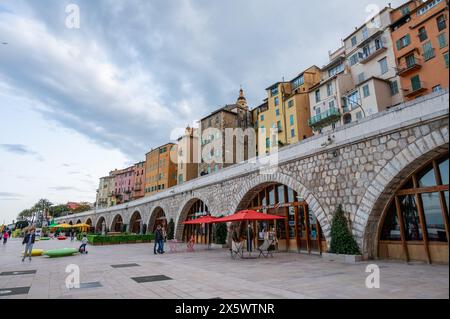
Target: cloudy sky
x,y
76,103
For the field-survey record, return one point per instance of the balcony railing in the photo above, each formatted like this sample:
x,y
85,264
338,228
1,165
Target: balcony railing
x,y
372,53
415,89
406,68
331,115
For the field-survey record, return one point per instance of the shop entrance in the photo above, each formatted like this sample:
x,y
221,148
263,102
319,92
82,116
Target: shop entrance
x,y
300,231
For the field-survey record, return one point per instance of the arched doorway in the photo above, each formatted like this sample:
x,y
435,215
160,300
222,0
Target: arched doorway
x,y
117,224
195,209
70,223
300,231
415,223
135,223
79,221
99,225
158,217
89,222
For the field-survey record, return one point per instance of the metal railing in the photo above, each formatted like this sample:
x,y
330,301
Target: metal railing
x,y
327,115
372,52
415,88
409,66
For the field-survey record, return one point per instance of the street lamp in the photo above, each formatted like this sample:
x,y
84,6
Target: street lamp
x,y
348,102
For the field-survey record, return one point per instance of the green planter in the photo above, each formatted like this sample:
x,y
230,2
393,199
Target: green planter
x,y
119,239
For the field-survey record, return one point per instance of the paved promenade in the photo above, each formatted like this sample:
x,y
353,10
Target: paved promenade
x,y
207,274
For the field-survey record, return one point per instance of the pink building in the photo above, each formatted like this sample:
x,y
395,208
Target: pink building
x,y
139,180
124,184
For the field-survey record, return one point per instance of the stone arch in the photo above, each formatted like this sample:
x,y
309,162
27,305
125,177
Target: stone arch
x,y
70,222
78,221
99,222
157,212
117,223
88,221
387,182
136,222
183,211
253,185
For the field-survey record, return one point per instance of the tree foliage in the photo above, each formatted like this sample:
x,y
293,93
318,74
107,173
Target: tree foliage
x,y
220,233
81,208
21,224
342,241
57,210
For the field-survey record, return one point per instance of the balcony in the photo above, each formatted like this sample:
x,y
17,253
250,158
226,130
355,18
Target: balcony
x,y
416,89
407,68
372,53
328,117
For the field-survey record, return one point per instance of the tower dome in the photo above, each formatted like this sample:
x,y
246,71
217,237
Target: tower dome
x,y
242,101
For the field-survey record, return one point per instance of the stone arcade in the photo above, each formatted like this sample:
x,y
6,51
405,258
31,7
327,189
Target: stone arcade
x,y
359,166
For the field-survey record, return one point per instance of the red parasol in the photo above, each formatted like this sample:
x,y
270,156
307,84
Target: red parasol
x,y
201,220
245,215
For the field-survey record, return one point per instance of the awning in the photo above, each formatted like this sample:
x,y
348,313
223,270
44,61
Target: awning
x,y
201,220
246,215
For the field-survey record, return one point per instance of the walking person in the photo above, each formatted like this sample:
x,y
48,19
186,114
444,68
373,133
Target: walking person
x,y
28,241
9,233
5,237
159,241
72,235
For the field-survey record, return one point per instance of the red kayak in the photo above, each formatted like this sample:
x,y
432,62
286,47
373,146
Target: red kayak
x,y
61,237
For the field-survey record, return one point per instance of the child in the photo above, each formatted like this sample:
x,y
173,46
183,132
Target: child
x,y
84,242
5,237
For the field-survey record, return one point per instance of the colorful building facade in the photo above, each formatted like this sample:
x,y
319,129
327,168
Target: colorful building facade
x,y
327,97
160,169
288,110
420,33
124,184
213,128
188,155
139,180
370,56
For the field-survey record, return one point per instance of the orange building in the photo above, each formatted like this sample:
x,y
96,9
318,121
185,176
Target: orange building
x,y
420,35
160,170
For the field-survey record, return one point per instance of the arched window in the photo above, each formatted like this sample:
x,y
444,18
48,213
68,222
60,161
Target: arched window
x,y
418,212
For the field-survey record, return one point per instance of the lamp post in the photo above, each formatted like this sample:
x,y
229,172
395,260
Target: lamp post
x,y
357,105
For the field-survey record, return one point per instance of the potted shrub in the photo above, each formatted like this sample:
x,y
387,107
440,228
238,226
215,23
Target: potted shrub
x,y
171,230
220,234
343,246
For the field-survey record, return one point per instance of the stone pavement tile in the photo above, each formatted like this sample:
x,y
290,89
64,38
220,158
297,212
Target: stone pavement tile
x,y
213,274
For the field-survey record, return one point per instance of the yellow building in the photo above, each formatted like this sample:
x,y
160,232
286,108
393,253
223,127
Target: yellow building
x,y
160,170
287,110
